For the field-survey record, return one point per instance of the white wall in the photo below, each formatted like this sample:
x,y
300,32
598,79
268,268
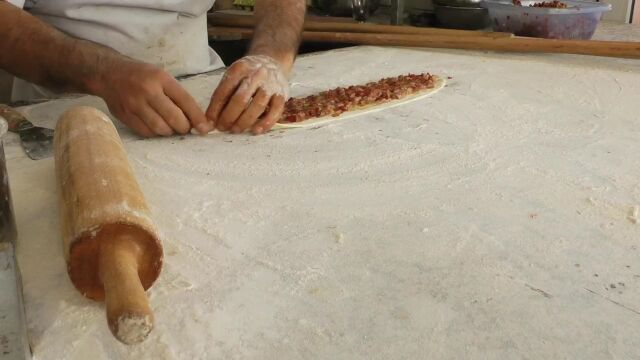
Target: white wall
x,y
620,11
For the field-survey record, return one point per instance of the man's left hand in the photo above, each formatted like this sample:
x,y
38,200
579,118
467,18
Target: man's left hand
x,y
251,96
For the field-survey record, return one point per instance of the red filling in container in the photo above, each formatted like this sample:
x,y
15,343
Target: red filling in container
x,y
578,20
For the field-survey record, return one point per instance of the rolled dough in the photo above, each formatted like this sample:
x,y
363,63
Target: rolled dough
x,y
440,83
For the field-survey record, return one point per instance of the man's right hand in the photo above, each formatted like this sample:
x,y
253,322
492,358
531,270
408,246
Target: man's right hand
x,y
148,100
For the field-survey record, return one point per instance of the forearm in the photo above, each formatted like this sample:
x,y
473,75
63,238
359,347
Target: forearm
x,y
278,30
34,51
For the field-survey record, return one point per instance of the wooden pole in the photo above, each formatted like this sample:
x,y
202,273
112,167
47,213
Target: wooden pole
x,y
246,21
619,49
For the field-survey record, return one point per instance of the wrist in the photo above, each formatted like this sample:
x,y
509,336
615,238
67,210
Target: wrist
x,y
105,66
285,60
105,70
93,85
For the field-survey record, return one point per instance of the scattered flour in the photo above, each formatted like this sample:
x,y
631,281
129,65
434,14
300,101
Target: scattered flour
x,y
250,273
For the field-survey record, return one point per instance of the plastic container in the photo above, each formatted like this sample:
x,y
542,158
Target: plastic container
x,y
578,21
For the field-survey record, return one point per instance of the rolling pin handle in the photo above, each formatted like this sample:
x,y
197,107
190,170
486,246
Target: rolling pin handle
x,y
128,312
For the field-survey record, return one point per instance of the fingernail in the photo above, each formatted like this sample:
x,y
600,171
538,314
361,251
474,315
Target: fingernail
x,y
202,128
258,130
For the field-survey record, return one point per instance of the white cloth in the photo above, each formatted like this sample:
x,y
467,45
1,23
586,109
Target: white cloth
x,y
171,34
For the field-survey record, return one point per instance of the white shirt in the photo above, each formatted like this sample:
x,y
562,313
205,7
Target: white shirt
x,y
171,34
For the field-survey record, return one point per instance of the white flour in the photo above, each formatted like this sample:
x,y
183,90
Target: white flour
x,y
487,221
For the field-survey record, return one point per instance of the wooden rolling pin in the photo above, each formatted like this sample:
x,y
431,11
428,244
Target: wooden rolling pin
x,y
620,49
246,21
111,245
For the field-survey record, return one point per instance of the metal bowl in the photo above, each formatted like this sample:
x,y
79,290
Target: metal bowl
x,y
340,7
465,18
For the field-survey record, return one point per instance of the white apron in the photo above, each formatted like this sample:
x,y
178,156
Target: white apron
x,y
171,34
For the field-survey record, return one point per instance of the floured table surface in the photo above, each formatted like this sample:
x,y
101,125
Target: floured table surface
x,y
494,219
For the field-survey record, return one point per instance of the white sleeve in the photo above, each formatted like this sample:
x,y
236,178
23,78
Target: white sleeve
x,y
18,3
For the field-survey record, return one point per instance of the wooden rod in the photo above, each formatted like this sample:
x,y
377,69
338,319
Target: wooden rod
x,y
129,315
619,49
246,21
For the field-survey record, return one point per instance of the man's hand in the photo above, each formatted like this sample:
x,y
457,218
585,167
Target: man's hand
x,y
251,96
142,96
254,89
148,100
